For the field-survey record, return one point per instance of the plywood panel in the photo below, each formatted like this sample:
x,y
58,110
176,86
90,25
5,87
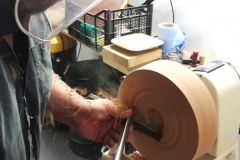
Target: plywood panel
x,y
106,4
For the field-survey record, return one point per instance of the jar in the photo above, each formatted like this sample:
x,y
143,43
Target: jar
x,y
174,56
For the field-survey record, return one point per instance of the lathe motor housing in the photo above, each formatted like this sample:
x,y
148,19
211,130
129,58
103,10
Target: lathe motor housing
x,y
223,82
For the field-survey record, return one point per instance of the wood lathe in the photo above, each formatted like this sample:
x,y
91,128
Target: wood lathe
x,y
197,110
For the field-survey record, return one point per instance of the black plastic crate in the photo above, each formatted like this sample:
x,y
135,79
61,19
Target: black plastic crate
x,y
98,30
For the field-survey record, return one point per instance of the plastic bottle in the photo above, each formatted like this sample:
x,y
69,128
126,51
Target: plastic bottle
x,y
194,58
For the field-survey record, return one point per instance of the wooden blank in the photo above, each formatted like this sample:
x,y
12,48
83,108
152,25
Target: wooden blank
x,y
168,95
127,61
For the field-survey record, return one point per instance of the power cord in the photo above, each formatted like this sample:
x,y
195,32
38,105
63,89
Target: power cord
x,y
173,17
79,51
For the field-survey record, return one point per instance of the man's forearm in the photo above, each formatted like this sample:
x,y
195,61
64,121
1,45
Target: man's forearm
x,y
65,103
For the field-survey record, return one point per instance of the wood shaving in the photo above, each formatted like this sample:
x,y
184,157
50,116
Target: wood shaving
x,y
136,156
103,94
81,91
125,157
132,156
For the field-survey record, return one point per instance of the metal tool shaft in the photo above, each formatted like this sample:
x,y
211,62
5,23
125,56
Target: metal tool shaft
x,y
121,141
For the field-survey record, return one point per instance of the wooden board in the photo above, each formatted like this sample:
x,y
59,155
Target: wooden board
x,y
106,4
127,61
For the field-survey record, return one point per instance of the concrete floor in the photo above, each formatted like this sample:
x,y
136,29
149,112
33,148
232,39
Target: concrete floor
x,y
54,146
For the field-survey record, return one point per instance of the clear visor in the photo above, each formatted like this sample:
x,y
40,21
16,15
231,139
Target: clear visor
x,y
44,19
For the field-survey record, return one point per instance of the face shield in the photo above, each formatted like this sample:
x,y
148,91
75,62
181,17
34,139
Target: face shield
x,y
57,15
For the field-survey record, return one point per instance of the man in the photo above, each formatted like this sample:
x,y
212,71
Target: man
x,y
27,85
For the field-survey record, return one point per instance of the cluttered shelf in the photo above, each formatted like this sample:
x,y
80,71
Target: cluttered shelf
x,y
97,30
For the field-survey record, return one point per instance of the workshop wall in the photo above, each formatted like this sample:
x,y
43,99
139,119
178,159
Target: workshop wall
x,y
212,26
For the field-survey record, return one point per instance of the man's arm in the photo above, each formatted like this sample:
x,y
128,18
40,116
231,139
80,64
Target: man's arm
x,y
97,120
64,102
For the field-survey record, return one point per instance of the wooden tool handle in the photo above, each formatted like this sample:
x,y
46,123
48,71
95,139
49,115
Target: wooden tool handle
x,y
124,5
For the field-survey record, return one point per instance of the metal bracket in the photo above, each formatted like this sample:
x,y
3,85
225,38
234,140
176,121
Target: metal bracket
x,y
209,67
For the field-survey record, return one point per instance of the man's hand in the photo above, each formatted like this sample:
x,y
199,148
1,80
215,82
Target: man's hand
x,y
101,122
97,120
